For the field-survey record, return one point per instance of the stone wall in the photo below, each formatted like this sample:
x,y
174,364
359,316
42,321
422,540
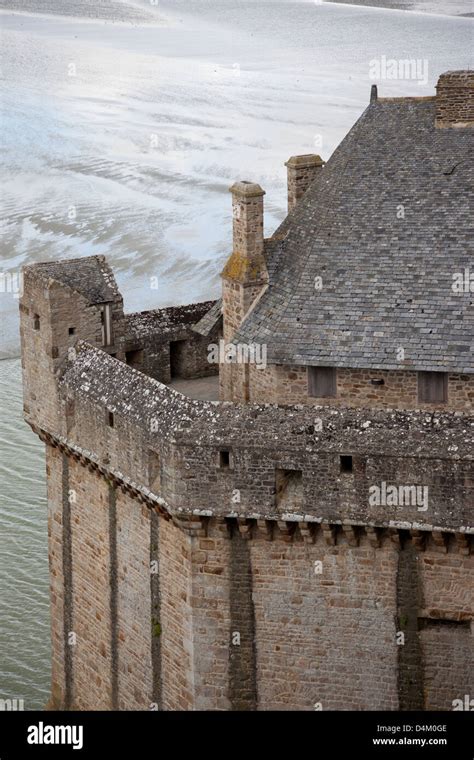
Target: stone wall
x,y
455,99
162,343
61,680
211,600
99,548
194,617
401,448
135,626
448,663
446,625
256,614
176,619
94,665
289,385
325,632
188,581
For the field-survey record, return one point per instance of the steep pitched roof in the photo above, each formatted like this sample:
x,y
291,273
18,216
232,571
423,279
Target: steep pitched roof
x,y
386,225
90,276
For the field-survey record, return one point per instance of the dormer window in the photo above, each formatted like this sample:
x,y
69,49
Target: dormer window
x,y
432,387
322,382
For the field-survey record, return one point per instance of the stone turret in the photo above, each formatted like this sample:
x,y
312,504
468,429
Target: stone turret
x,y
62,302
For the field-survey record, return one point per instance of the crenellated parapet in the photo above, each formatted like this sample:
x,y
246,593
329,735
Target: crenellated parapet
x,y
389,470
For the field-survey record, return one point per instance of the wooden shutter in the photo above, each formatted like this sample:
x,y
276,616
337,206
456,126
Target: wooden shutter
x,y
322,382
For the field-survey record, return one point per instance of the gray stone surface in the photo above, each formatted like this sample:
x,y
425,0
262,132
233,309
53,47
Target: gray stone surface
x,y
210,320
201,388
90,276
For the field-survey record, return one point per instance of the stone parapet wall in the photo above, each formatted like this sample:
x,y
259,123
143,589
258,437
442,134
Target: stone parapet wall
x,y
151,421
162,343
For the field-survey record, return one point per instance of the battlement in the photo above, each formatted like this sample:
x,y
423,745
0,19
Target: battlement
x,y
225,460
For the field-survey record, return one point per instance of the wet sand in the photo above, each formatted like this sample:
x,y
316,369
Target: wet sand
x,y
121,134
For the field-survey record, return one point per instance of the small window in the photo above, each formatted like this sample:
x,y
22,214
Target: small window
x,y
345,463
247,382
110,419
289,489
446,623
106,320
134,358
36,322
432,387
224,459
322,382
72,331
178,358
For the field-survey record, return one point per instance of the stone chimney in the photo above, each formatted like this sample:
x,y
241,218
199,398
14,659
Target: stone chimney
x,y
243,277
247,263
301,172
455,99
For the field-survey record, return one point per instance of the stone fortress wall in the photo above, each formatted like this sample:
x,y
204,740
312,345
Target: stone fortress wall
x,y
233,507
267,551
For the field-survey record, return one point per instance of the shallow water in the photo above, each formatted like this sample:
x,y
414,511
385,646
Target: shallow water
x,y
121,136
24,606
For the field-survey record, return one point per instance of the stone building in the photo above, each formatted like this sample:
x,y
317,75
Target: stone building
x,y
302,538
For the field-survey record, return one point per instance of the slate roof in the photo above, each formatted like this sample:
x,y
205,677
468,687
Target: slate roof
x,y
386,281
210,320
91,277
